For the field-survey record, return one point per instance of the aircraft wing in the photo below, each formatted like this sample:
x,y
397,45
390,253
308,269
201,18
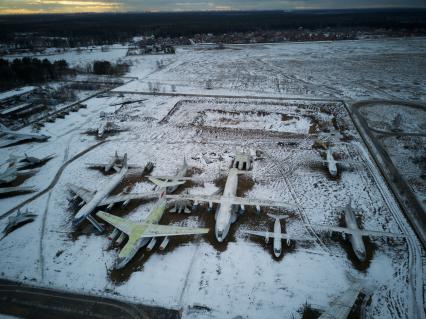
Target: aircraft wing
x,y
332,228
379,233
258,233
260,202
27,171
272,235
127,197
196,198
18,189
81,192
176,178
233,200
120,223
155,230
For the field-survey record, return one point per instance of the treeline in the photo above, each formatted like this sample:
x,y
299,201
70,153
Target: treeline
x,y
107,68
31,71
90,29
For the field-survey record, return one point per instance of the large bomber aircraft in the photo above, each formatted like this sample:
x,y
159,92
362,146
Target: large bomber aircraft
x,y
140,234
102,198
229,204
355,234
106,127
277,235
12,137
92,200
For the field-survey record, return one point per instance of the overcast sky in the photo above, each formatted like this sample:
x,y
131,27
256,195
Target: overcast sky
x,y
61,6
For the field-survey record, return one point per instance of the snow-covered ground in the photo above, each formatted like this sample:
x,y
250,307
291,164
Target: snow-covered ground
x,y
240,277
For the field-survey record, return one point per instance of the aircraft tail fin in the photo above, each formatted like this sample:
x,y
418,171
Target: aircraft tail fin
x,y
125,165
274,216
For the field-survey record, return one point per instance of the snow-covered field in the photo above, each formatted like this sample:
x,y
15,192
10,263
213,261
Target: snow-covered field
x,y
240,277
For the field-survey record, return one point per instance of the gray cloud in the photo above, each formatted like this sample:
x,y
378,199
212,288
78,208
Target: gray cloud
x,y
7,6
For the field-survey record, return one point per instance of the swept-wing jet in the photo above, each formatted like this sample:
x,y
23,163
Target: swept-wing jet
x,y
30,161
91,200
9,173
18,219
355,234
277,235
12,137
229,204
115,162
140,234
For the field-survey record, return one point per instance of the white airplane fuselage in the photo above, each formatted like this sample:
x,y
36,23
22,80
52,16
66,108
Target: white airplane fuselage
x,y
355,238
331,163
101,194
226,209
277,238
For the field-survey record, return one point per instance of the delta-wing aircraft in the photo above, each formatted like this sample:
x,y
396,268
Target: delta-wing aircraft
x,y
140,234
277,235
229,204
12,137
355,234
114,162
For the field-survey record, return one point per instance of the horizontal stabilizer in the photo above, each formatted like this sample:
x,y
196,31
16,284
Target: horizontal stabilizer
x,y
281,235
163,184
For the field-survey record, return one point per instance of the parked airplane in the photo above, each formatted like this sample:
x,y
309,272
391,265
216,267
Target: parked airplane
x,y
355,234
106,127
115,162
229,204
9,173
341,307
13,137
30,161
178,177
16,220
91,200
277,235
140,234
331,162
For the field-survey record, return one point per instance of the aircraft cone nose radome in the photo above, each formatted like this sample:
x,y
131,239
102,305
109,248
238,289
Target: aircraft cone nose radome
x,y
120,263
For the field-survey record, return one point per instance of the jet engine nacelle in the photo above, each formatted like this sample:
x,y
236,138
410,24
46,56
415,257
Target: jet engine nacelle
x,y
257,209
267,237
288,241
126,202
164,243
109,207
151,244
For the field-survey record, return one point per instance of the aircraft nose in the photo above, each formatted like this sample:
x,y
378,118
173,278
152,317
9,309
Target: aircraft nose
x,y
120,263
219,235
